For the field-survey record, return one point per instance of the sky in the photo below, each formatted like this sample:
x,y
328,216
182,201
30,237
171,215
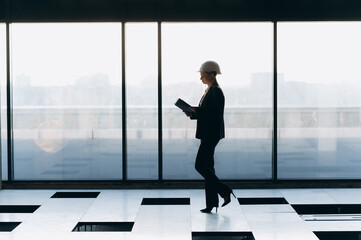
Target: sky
x,y
320,52
60,53
66,52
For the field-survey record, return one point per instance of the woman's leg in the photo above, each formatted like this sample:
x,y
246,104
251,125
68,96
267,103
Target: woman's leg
x,y
211,193
203,160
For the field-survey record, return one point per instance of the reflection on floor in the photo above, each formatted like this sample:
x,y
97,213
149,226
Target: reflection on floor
x,y
281,214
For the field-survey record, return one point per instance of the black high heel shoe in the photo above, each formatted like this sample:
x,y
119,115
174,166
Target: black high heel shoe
x,y
227,199
208,209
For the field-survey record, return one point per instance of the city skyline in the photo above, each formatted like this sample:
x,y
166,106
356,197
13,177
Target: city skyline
x,y
98,90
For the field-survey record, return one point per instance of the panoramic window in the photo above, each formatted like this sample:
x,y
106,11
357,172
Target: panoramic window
x,y
141,54
244,52
67,115
319,100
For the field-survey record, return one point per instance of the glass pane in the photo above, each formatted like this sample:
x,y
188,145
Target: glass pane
x,y
319,101
142,100
4,150
244,53
67,101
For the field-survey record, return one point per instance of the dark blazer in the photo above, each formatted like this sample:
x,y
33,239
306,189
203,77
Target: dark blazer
x,y
209,115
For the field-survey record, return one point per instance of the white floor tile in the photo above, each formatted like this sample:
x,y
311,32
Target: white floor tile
x,y
306,235
262,218
14,217
269,209
25,197
345,196
273,218
306,196
4,235
56,215
115,206
177,193
49,223
257,193
229,218
66,206
162,222
278,227
37,236
98,236
334,225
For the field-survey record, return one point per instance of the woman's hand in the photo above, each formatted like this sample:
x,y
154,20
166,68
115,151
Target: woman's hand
x,y
194,109
187,113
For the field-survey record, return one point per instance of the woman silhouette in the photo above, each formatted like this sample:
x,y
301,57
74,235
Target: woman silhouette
x,y
210,129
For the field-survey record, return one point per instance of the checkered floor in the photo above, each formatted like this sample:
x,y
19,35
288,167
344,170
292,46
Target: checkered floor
x,y
281,214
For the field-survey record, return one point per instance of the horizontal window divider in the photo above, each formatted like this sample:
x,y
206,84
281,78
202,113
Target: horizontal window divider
x,y
178,184
37,11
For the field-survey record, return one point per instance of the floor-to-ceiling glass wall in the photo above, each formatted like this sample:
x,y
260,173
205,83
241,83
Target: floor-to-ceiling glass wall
x,y
3,120
141,52
244,52
319,100
67,99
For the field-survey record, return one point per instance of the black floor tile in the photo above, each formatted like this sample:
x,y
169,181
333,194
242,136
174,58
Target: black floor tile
x,y
327,208
222,236
104,227
8,226
338,235
166,201
259,201
18,208
76,195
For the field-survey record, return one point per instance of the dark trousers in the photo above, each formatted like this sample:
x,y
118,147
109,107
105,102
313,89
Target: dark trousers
x,y
205,166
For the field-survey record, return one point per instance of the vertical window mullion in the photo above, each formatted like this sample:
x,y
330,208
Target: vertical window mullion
x,y
124,124
275,130
9,111
160,126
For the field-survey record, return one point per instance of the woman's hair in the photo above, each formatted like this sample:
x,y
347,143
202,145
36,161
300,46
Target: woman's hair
x,y
213,72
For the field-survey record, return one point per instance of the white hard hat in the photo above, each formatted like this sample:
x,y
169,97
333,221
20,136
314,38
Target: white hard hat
x,y
210,66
